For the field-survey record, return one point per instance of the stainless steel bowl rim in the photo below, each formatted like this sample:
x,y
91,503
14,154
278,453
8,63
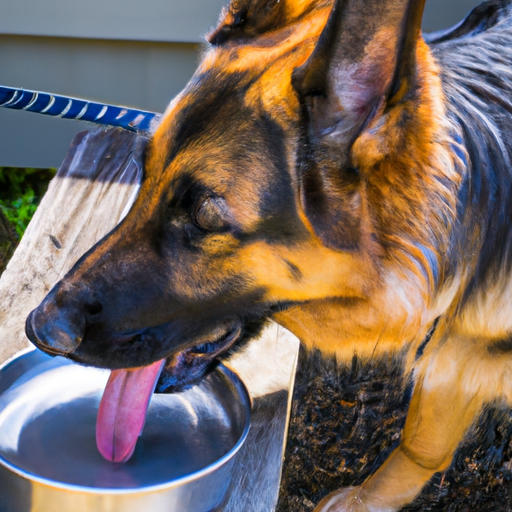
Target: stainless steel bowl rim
x,y
137,490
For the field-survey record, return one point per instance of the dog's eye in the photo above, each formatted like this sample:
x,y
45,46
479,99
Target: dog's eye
x,y
211,214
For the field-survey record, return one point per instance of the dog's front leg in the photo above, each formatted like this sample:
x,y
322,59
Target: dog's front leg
x,y
449,393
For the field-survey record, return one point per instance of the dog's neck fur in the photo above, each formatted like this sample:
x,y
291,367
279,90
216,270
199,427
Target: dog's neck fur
x,y
403,151
450,141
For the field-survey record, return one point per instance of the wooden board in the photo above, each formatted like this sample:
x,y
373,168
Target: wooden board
x,y
92,191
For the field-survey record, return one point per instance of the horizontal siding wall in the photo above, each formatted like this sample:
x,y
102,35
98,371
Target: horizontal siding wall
x,y
140,74
441,14
141,20
131,52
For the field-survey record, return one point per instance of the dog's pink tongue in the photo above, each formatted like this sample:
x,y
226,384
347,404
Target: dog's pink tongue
x,y
123,409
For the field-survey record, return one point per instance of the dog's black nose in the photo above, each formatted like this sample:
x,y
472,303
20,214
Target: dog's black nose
x,y
55,329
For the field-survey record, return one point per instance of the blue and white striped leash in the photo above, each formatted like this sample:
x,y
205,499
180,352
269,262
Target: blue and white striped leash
x,y
75,108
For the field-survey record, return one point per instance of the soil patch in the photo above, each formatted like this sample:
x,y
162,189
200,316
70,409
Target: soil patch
x,y
346,421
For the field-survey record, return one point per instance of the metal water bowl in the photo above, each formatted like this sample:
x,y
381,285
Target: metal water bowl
x,y
48,457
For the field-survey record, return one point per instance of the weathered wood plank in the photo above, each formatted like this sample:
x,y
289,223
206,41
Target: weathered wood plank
x,y
267,366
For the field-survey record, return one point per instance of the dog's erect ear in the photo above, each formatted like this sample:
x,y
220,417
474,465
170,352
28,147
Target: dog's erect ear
x,y
365,55
365,60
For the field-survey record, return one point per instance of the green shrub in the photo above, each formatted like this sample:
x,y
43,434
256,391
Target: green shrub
x,y
19,211
20,193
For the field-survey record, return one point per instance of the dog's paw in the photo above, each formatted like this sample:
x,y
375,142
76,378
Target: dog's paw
x,y
343,500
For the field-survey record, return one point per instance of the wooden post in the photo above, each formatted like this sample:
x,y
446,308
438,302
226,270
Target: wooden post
x,y
92,191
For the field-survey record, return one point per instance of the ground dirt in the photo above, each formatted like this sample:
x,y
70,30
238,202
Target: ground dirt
x,y
346,421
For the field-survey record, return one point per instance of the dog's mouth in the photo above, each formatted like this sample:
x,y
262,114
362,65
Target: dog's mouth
x,y
126,398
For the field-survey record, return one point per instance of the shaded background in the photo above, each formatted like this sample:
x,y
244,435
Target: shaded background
x,y
130,52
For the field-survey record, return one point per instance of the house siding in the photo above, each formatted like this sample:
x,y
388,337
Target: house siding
x,y
126,52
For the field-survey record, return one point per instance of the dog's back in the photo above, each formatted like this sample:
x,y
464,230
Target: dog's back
x,y
475,62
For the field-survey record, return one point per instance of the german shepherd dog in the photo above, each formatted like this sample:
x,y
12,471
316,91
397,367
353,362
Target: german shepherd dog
x,y
329,168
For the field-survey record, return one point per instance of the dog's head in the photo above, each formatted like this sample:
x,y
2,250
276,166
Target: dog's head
x,y
286,173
